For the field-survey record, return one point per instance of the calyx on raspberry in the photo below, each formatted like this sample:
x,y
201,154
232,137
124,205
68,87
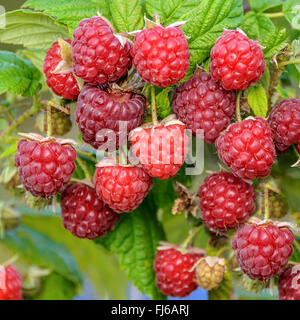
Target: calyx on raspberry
x,y
58,70
122,187
209,272
263,249
12,281
160,54
174,271
161,149
247,148
225,201
289,283
99,55
284,121
103,115
44,165
236,61
84,214
201,103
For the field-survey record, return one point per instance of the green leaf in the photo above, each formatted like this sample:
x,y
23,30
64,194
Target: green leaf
x,y
172,10
36,56
295,48
207,23
135,239
18,75
291,10
163,103
258,101
31,29
126,15
260,27
12,149
70,12
43,252
262,5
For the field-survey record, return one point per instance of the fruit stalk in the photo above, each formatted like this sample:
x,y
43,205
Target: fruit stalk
x,y
238,108
49,121
191,237
84,168
153,106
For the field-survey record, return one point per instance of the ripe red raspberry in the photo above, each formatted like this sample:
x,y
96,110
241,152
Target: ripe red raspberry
x,y
98,55
174,276
84,214
160,55
44,166
289,283
284,121
247,148
225,201
10,283
161,150
110,112
201,103
236,61
62,84
123,188
263,249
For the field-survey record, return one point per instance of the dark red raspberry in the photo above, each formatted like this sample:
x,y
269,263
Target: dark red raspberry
x,y
173,272
225,201
289,283
247,148
10,283
110,112
84,214
201,103
44,167
98,55
161,55
123,188
262,250
62,84
236,61
284,121
161,150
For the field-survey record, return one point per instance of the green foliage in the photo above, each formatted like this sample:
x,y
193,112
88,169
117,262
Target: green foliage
x,y
36,56
31,29
258,101
70,12
207,23
262,5
18,75
291,10
135,239
163,103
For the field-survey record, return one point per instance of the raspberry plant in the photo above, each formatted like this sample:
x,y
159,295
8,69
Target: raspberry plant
x,y
170,75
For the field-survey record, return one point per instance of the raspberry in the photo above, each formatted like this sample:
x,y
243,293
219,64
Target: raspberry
x,y
98,55
201,103
236,61
123,188
61,123
225,201
160,55
174,276
262,250
289,283
160,150
97,110
247,148
84,214
44,166
278,207
62,84
12,281
210,272
284,121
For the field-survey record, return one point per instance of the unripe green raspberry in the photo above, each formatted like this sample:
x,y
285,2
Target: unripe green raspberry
x,y
61,123
277,205
210,272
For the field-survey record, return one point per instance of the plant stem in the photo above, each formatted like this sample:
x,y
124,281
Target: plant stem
x,y
84,168
191,237
275,15
49,121
86,154
153,106
285,63
266,202
32,111
13,107
238,108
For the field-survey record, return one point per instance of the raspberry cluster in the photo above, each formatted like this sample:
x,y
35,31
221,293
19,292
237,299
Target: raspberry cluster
x,y
289,283
12,281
